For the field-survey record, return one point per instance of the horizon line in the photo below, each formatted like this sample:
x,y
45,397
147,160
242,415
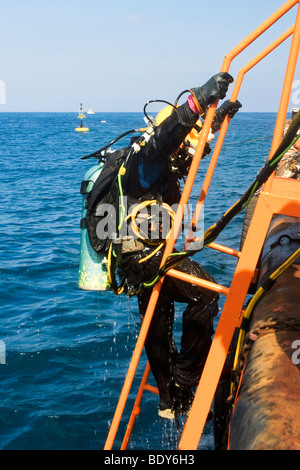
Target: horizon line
x,y
114,112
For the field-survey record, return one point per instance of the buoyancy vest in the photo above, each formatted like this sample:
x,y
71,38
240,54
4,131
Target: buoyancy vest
x,y
166,188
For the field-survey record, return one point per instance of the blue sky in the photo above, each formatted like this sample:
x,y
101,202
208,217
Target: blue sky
x,y
116,55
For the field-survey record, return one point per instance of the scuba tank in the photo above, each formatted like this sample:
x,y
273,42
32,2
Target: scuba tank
x,y
93,266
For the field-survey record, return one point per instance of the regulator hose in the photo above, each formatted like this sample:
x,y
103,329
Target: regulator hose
x,y
98,155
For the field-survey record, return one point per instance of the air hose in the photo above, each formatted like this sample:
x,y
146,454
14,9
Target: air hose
x,y
111,270
98,153
112,258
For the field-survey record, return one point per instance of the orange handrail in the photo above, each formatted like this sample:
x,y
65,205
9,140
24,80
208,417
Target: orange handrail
x,y
285,199
224,127
258,32
195,423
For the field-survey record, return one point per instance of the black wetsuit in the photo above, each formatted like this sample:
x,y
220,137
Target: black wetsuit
x,y
148,174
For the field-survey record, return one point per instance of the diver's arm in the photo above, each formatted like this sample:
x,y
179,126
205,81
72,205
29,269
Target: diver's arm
x,y
169,135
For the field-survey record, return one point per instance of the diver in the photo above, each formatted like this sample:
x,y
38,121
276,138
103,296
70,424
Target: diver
x,y
148,172
153,170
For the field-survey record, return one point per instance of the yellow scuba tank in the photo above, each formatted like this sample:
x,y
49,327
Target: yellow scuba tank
x,y
93,266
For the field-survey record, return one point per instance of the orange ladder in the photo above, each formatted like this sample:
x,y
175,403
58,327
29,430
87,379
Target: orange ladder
x,y
279,196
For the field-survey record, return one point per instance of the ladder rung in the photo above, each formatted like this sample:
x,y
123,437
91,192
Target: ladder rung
x,y
198,281
150,388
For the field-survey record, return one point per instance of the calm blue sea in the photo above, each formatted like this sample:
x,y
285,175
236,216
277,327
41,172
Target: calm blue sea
x,y
67,351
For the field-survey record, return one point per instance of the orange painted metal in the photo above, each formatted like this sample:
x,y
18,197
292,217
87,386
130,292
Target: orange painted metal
x,y
280,198
265,411
136,408
224,249
258,32
267,205
198,282
207,180
286,92
224,128
258,59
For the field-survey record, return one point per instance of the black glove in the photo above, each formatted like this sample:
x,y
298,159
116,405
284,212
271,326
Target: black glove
x,y
229,108
216,88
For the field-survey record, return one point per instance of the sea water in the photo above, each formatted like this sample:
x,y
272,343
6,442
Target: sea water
x,y
65,352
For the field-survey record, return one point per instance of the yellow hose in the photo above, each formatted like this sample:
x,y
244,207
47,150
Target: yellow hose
x,y
137,232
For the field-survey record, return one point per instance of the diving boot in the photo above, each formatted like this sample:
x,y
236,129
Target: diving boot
x,y
165,410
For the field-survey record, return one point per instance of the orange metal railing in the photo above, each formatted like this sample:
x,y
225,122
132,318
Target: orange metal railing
x,y
279,196
272,200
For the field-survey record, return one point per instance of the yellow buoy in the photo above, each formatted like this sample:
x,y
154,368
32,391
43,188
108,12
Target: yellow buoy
x,y
81,116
